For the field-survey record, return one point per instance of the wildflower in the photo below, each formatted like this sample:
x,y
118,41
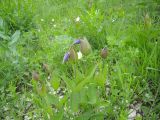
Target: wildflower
x,y
73,55
77,42
52,20
42,20
66,57
77,19
85,47
46,67
79,55
54,26
104,52
35,75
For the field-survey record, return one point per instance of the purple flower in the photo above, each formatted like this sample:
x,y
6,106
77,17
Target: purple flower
x,y
66,57
77,42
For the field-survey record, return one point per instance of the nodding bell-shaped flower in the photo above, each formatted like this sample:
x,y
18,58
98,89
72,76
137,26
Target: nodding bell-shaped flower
x,y
77,41
104,53
85,47
70,56
66,57
73,55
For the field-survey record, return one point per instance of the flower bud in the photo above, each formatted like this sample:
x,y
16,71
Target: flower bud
x,y
73,55
104,53
35,75
147,21
45,67
85,47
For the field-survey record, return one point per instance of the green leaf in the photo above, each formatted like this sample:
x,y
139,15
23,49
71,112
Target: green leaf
x,y
85,81
3,36
74,101
59,116
83,95
15,37
86,115
55,82
70,83
92,94
51,99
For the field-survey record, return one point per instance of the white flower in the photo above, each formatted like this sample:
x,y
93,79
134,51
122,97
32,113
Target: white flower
x,y
54,26
79,55
42,20
77,19
52,20
113,20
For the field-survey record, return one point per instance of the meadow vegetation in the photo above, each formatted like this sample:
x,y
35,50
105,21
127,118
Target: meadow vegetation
x,y
117,77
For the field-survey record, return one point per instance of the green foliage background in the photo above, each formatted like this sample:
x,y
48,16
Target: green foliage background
x,y
34,32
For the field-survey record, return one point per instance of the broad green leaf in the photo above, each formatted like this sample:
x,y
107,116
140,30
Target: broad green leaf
x,y
83,95
85,81
74,101
15,37
51,99
55,82
92,94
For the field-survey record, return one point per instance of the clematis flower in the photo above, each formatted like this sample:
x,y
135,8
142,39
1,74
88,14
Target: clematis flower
x,y
46,67
77,42
85,47
66,57
104,53
73,54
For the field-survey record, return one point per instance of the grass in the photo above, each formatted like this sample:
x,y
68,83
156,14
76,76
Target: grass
x,y
35,35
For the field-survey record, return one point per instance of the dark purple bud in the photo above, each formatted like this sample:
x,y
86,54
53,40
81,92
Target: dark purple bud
x,y
66,57
77,42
